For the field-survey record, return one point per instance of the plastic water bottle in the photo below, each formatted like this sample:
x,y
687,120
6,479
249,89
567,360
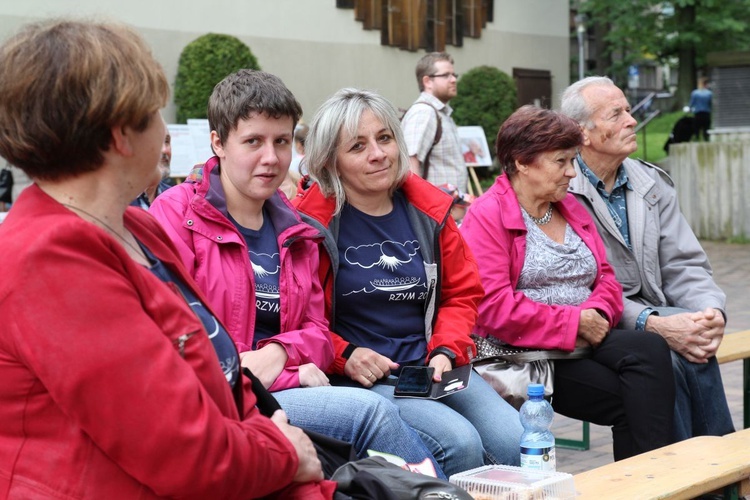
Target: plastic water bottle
x,y
537,442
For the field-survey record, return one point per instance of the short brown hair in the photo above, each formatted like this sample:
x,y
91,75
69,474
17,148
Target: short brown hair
x,y
426,65
248,92
64,85
531,131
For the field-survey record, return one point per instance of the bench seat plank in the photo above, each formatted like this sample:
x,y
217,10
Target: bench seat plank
x,y
679,471
734,346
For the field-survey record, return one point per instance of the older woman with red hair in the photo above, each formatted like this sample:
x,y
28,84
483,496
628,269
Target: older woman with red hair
x,y
548,285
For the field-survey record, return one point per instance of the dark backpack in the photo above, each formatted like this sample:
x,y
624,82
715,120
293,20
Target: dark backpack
x,y
438,135
6,186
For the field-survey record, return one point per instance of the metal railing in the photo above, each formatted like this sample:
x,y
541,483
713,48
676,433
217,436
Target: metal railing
x,y
641,110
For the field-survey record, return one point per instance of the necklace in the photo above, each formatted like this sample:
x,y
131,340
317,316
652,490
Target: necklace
x,y
110,229
544,219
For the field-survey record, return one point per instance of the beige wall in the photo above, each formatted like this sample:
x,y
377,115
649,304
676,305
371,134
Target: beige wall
x,y
315,47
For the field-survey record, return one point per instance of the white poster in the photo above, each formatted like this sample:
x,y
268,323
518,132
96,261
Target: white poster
x,y
474,146
191,145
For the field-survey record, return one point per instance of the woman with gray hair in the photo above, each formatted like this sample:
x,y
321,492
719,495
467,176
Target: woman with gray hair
x,y
401,286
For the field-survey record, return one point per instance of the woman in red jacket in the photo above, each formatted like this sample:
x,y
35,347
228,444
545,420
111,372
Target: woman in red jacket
x,y
111,385
401,286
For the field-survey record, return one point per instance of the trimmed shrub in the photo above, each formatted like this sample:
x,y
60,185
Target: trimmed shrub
x,y
204,62
486,97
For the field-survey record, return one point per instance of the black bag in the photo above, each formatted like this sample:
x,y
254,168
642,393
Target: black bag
x,y
374,476
6,186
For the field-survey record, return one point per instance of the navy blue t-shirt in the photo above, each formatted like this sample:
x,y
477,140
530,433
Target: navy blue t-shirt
x,y
381,284
223,345
263,251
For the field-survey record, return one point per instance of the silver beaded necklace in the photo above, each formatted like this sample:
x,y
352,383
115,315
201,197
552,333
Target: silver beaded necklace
x,y
544,219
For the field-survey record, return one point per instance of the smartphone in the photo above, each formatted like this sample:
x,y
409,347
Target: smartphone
x,y
414,381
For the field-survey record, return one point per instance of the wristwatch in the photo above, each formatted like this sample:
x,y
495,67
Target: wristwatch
x,y
445,352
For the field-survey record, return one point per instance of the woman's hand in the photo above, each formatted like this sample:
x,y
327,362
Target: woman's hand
x,y
592,327
441,363
366,366
582,342
312,376
266,363
309,468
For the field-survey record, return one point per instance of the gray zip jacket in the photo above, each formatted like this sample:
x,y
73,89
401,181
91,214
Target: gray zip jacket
x,y
667,265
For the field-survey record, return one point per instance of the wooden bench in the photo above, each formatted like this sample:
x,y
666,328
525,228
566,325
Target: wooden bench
x,y
734,346
687,469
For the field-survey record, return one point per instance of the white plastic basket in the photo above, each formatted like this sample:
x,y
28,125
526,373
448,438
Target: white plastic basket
x,y
504,482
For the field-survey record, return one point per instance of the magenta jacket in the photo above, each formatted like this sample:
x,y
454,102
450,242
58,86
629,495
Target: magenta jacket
x,y
495,231
194,215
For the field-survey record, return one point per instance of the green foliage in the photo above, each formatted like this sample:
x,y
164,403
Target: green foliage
x,y
204,62
486,97
652,137
667,31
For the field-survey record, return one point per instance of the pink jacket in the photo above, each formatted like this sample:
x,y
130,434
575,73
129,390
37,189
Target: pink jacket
x,y
195,218
494,230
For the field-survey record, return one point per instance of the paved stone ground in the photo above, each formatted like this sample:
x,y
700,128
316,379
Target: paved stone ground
x,y
731,264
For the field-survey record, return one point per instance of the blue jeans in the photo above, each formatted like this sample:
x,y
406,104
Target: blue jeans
x,y
700,406
700,403
360,417
468,429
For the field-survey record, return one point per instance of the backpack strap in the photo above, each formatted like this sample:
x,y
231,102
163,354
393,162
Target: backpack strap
x,y
438,136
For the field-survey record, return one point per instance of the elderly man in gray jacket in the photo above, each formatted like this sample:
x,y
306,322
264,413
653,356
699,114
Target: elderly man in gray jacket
x,y
666,277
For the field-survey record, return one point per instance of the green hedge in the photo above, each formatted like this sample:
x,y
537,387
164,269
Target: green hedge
x,y
486,97
204,62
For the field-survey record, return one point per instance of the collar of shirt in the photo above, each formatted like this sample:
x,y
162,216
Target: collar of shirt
x,y
620,181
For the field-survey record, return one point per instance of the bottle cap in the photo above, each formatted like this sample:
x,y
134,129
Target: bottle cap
x,y
536,390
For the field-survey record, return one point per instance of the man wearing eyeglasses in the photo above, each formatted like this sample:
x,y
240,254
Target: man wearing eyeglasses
x,y
430,132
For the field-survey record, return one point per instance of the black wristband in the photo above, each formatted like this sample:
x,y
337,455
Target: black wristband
x,y
445,352
348,351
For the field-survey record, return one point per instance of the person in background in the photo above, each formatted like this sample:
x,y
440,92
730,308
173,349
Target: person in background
x,y
401,286
549,286
665,274
700,105
440,162
111,386
461,201
257,263
161,181
300,136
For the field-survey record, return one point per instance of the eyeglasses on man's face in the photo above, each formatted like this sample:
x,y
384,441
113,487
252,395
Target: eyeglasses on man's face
x,y
444,75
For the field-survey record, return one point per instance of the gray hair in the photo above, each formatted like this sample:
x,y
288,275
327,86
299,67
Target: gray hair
x,y
339,116
573,103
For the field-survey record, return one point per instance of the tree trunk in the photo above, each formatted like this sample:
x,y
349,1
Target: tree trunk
x,y
603,59
686,80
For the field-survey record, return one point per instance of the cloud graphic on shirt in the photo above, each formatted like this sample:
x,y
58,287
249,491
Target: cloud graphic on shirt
x,y
213,331
387,255
264,264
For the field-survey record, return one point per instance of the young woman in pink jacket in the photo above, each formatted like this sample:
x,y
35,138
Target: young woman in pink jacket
x,y
257,262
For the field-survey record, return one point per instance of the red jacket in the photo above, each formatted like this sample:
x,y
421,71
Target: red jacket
x,y
110,386
495,231
451,315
